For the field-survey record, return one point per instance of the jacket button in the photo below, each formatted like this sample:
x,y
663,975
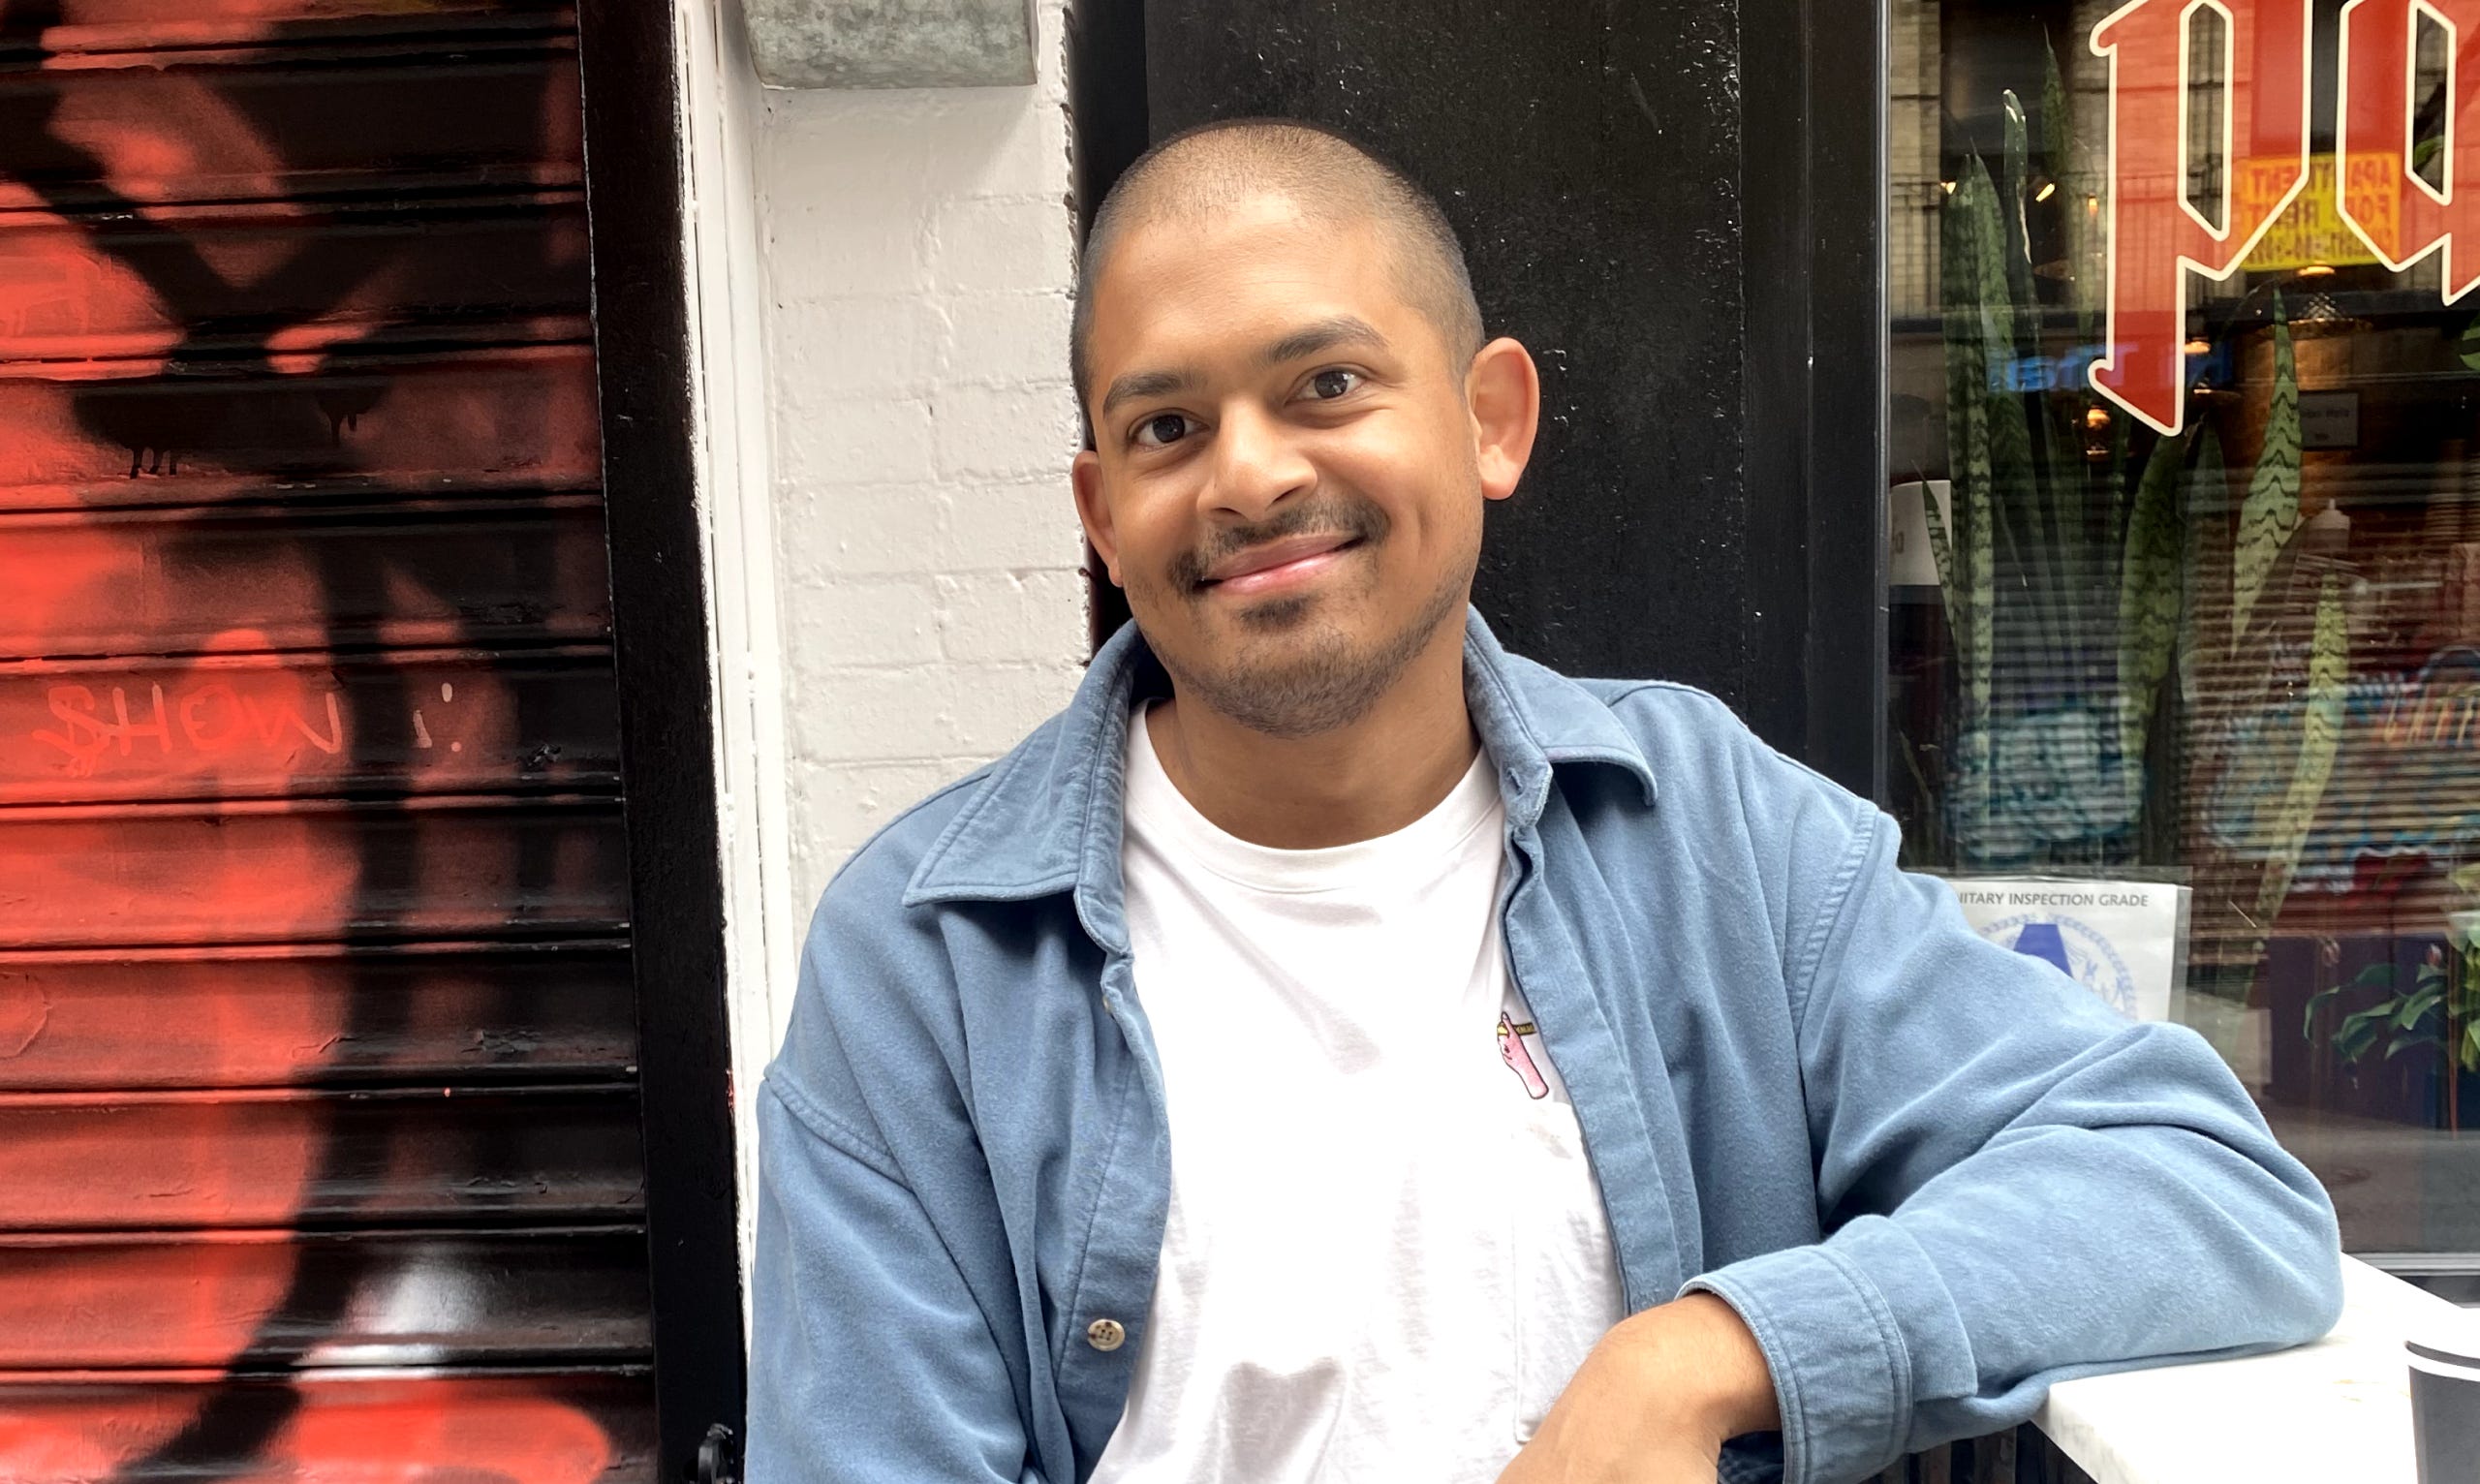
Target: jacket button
x,y
1106,1335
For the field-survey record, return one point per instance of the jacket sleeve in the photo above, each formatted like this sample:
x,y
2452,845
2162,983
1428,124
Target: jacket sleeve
x,y
872,1361
2019,1185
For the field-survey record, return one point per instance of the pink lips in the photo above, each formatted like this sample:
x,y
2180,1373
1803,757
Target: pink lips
x,y
1278,564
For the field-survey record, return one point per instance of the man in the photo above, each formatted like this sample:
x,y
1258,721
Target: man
x,y
1336,1049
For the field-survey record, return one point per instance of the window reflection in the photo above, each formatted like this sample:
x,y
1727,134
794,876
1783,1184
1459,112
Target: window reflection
x,y
2244,655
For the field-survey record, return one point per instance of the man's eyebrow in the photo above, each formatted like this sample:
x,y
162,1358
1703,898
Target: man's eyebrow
x,y
1325,335
1146,383
1307,341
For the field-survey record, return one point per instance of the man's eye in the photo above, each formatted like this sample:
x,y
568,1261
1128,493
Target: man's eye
x,y
1161,428
1326,386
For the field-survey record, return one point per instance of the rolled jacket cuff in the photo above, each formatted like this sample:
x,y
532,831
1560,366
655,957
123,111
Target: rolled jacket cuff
x,y
1841,1374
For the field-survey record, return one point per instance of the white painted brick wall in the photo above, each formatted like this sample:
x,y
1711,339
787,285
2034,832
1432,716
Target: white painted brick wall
x,y
918,248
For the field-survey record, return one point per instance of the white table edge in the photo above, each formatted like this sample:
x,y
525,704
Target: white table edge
x,y
2335,1409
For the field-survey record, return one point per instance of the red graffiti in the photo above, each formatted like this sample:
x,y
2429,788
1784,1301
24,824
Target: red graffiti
x,y
2156,235
133,1019
213,717
370,1432
519,418
318,1133
240,724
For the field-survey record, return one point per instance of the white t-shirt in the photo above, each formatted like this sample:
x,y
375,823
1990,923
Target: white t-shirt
x,y
1385,1252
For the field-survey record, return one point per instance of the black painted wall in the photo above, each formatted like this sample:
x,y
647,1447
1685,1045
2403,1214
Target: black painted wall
x,y
1589,157
1675,203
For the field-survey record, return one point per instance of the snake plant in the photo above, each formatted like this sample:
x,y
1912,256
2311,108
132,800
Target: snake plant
x,y
2064,557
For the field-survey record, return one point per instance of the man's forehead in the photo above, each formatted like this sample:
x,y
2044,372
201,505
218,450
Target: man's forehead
x,y
1184,237
1283,268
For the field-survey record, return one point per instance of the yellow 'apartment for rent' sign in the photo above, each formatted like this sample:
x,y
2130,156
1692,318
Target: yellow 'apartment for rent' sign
x,y
2312,230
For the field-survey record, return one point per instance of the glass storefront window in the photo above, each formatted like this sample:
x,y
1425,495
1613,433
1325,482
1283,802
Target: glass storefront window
x,y
2185,540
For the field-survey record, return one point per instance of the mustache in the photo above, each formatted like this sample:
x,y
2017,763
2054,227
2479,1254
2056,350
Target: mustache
x,y
1351,517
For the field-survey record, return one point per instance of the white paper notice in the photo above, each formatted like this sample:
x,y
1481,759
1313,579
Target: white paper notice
x,y
2123,941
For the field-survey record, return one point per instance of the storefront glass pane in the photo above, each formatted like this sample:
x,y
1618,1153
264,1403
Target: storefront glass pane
x,y
2185,540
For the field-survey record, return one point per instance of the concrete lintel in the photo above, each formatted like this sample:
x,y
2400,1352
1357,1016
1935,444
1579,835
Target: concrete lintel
x,y
891,42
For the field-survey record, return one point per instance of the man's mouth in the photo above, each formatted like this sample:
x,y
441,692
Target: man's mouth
x,y
1278,564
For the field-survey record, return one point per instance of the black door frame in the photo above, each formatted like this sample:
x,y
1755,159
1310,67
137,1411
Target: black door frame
x,y
1108,128
1813,190
660,642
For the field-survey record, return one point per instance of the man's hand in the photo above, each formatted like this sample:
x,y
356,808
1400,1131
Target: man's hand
x,y
1655,1402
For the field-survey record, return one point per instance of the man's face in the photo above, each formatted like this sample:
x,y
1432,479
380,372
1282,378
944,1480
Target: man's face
x,y
1284,475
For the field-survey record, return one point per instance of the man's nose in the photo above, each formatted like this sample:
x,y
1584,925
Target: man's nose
x,y
1257,463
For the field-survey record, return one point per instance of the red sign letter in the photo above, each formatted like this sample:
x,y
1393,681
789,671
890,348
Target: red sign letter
x,y
2155,236
2391,208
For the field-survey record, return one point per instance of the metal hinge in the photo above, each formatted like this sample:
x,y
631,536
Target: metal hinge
x,y
718,1457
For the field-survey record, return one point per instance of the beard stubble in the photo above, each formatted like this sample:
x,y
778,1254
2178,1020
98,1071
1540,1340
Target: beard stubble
x,y
1319,681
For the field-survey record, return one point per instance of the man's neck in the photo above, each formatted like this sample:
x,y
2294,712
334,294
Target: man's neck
x,y
1370,778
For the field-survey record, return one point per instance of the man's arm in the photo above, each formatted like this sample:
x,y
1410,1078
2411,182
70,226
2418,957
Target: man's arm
x,y
1655,1402
872,1361
2020,1185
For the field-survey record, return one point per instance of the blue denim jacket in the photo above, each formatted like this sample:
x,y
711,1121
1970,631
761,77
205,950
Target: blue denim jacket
x,y
1932,1175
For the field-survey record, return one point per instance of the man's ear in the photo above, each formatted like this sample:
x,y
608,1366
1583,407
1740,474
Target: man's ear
x,y
1086,475
1504,391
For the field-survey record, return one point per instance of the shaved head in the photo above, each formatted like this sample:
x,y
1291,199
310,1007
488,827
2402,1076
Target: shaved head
x,y
1198,173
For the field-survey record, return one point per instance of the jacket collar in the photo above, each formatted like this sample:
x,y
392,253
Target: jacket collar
x,y
1048,818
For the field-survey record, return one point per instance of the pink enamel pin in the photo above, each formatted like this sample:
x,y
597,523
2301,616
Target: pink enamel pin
x,y
1519,1060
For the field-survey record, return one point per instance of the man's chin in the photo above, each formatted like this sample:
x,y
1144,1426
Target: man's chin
x,y
1294,668
1276,616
